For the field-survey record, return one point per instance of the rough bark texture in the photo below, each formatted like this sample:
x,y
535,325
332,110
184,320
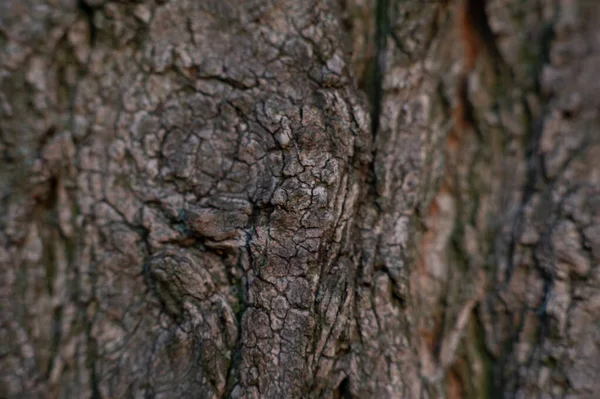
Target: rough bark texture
x,y
290,199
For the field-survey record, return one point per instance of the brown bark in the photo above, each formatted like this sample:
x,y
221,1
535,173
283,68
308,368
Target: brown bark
x,y
289,199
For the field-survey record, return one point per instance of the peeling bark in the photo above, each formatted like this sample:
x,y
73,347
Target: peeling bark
x,y
289,199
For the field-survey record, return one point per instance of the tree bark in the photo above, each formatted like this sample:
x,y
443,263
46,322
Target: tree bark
x,y
299,199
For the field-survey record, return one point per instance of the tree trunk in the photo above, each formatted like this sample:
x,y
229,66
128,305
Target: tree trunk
x,y
299,199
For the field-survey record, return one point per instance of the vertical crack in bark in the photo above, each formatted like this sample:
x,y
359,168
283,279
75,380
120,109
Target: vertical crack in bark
x,y
382,31
533,159
89,11
91,355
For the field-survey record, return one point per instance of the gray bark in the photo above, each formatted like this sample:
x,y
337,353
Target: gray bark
x,y
290,199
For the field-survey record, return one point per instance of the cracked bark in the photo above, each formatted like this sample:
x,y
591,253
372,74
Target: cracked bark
x,y
299,199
